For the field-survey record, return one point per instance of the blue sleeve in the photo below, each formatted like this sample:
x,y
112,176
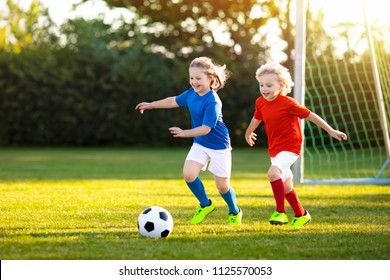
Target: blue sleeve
x,y
181,99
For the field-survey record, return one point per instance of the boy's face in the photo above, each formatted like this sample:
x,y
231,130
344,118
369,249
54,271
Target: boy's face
x,y
199,81
269,86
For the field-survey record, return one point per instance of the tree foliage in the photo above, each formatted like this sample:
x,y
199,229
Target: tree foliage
x,y
81,87
185,27
83,93
25,29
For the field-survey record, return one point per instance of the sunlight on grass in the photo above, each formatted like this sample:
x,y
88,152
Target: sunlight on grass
x,y
86,215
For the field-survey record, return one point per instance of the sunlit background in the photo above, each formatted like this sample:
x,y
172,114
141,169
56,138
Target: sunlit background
x,y
336,12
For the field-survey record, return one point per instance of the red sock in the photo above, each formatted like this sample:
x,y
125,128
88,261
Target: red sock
x,y
278,190
293,200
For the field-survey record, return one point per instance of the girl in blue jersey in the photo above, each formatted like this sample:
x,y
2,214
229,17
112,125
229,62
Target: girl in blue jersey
x,y
211,145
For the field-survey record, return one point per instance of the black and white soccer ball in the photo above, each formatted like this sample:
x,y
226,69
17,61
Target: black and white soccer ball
x,y
155,222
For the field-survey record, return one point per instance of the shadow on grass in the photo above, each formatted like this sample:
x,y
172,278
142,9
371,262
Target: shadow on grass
x,y
359,235
346,225
237,245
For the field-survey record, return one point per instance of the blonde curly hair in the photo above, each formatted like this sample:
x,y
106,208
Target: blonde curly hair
x,y
282,73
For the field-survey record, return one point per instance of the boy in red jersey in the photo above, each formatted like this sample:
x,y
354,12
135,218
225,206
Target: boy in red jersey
x,y
280,114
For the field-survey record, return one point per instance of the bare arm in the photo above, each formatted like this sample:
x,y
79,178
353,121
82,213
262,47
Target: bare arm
x,y
250,136
314,118
166,103
187,133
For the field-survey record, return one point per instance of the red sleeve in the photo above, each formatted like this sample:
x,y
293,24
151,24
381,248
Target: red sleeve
x,y
258,115
299,110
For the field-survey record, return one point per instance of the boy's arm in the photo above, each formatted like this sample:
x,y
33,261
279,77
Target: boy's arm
x,y
314,118
166,103
250,136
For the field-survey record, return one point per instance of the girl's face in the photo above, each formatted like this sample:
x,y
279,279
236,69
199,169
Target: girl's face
x,y
199,81
270,86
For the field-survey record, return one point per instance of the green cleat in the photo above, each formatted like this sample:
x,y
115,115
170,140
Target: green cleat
x,y
202,212
278,218
235,219
299,222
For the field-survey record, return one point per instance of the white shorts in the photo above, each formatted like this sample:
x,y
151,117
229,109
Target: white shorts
x,y
283,161
219,161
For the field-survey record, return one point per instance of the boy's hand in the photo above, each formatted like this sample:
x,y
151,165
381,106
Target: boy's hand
x,y
341,136
251,138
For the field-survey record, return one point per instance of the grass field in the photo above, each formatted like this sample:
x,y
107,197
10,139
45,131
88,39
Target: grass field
x,y
83,203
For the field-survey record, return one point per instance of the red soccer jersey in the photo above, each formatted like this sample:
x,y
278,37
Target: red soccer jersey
x,y
280,117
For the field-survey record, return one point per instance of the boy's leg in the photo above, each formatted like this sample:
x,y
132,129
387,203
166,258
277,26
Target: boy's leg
x,y
292,199
277,173
274,176
302,217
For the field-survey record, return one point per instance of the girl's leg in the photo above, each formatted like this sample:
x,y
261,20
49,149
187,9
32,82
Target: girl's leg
x,y
227,193
191,172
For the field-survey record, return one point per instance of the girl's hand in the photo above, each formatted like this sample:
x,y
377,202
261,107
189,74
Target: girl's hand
x,y
143,106
251,138
177,132
339,135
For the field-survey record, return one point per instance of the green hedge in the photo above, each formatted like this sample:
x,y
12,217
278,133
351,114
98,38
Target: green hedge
x,y
85,94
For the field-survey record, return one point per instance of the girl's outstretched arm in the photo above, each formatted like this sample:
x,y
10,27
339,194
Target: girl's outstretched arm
x,y
166,103
314,118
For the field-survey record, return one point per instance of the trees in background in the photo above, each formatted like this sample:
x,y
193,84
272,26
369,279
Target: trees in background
x,y
20,29
78,84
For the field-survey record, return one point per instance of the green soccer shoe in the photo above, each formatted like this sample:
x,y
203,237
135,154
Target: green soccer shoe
x,y
278,218
202,212
235,219
299,222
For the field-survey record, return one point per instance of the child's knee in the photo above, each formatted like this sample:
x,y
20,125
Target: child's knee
x,y
189,176
223,185
288,185
274,173
223,188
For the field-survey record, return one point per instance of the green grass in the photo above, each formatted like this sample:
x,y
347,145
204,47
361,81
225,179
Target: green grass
x,y
83,203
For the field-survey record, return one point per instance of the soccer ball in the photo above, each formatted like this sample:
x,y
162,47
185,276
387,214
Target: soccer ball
x,y
155,222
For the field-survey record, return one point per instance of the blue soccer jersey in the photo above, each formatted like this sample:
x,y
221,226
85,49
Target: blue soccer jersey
x,y
206,110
